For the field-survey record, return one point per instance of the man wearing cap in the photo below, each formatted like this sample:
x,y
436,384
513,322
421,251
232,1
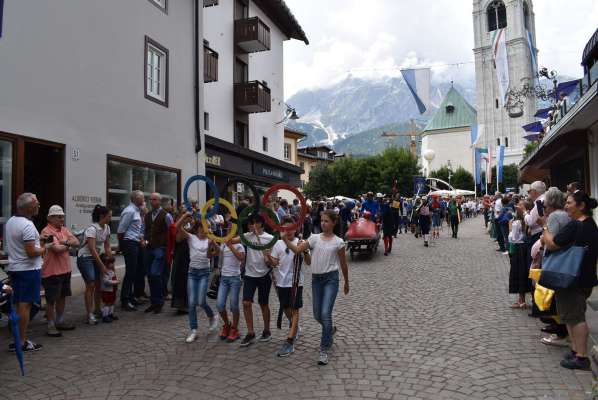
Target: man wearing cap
x,y
56,270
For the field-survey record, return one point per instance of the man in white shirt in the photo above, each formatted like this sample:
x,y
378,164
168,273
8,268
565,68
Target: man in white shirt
x,y
257,277
24,264
534,219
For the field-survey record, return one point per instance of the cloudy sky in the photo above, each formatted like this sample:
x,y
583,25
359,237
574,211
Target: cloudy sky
x,y
374,38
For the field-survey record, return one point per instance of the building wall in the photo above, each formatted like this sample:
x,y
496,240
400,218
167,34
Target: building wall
x,y
496,122
263,66
293,143
453,145
73,73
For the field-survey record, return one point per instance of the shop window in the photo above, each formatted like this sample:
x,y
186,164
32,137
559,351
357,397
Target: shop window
x,y
124,176
287,151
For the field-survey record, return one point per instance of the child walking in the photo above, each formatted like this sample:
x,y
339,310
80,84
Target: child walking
x,y
200,251
327,257
232,256
289,284
109,287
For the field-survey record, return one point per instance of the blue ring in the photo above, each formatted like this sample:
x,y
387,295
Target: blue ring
x,y
213,188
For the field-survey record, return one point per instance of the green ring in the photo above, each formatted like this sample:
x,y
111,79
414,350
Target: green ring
x,y
243,216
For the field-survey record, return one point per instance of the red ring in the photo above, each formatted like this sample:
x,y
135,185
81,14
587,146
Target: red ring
x,y
302,214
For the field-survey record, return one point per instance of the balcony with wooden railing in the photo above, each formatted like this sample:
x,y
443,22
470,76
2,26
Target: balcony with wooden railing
x,y
252,35
252,97
210,64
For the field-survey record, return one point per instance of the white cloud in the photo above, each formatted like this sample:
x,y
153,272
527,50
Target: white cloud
x,y
375,38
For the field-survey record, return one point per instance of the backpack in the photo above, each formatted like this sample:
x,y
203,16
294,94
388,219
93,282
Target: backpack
x,y
80,235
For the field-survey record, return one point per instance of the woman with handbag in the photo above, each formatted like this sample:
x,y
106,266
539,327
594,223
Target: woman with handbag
x,y
571,302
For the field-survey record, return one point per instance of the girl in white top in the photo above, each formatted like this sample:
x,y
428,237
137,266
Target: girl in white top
x,y
201,249
231,257
327,256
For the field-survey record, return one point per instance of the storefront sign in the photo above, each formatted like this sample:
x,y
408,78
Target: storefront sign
x,y
269,172
85,203
213,160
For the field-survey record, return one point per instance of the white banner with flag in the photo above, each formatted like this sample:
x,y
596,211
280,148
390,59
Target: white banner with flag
x,y
476,132
501,63
418,81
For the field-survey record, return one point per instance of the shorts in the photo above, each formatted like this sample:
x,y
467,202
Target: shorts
x,y
285,296
262,284
435,220
88,268
571,304
57,286
26,286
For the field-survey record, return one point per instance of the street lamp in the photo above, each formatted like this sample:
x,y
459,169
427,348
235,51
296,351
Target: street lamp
x,y
429,155
290,113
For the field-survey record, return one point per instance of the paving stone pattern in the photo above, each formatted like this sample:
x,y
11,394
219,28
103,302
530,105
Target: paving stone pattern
x,y
423,323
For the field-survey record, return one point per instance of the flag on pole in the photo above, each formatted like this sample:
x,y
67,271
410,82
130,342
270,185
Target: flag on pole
x,y
533,52
501,62
476,133
478,164
500,159
1,12
418,81
488,158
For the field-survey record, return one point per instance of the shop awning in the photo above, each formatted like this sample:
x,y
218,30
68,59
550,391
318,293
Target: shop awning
x,y
533,127
532,137
543,112
590,49
567,87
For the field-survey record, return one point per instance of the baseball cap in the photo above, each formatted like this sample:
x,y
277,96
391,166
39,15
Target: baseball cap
x,y
55,210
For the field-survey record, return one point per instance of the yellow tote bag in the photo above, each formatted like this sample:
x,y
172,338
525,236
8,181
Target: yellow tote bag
x,y
543,297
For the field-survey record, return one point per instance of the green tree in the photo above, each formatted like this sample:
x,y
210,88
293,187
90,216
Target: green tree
x,y
462,179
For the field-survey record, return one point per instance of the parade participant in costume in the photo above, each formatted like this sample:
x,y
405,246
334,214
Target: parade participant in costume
x,y
424,219
232,256
289,284
179,254
371,206
328,256
388,226
454,216
396,213
436,217
200,251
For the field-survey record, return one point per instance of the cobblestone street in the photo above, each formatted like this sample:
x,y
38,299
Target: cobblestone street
x,y
423,323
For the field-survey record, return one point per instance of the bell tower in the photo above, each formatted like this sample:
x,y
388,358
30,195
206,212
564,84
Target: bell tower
x,y
516,19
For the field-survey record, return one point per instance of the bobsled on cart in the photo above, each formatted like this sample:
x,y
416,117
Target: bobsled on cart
x,y
362,237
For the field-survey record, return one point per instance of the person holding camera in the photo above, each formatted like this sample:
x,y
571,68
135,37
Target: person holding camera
x,y
56,270
534,220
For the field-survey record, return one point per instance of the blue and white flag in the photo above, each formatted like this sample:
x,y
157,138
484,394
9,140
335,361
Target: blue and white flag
x,y
501,63
476,133
533,54
1,12
418,81
500,159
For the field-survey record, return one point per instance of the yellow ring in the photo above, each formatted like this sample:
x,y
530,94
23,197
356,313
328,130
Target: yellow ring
x,y
204,222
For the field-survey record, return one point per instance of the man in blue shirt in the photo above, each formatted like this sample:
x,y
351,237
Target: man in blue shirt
x,y
370,205
130,235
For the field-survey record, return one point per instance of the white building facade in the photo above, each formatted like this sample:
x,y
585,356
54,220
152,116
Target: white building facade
x,y
99,98
245,108
496,126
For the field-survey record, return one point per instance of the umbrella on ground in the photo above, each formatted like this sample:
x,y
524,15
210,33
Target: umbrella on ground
x,y
14,325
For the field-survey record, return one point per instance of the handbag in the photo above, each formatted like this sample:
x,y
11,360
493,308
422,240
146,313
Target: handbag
x,y
543,297
561,270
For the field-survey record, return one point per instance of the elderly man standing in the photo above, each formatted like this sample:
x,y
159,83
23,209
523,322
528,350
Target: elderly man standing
x,y
24,263
157,222
534,219
56,270
130,235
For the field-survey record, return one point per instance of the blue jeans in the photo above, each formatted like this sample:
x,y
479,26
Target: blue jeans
x,y
197,289
324,290
232,285
130,250
155,270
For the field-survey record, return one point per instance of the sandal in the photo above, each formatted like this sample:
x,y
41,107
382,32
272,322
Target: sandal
x,y
515,306
523,306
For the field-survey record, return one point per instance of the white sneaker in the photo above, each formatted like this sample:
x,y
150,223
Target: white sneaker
x,y
554,340
92,320
299,333
214,323
192,336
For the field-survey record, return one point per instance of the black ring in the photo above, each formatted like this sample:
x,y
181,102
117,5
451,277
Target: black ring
x,y
256,195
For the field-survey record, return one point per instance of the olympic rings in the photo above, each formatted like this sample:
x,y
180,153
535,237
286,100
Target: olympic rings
x,y
212,187
204,221
300,219
259,247
254,191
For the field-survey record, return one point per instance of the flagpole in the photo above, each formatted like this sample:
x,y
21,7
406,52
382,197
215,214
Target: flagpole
x,y
475,177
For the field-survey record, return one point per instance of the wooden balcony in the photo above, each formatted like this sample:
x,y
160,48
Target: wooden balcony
x,y
252,35
252,97
210,65
210,3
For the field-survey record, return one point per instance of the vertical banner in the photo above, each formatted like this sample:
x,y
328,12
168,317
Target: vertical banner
x,y
501,63
500,159
475,134
418,81
480,154
1,15
419,185
533,52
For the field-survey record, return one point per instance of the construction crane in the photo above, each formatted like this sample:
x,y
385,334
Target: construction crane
x,y
414,133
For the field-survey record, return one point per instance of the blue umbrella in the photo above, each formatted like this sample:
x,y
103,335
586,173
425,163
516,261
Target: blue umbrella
x,y
14,324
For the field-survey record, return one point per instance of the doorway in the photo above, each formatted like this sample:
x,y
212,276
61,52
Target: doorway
x,y
43,174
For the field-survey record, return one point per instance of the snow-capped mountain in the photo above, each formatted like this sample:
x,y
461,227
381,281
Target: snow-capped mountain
x,y
332,114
